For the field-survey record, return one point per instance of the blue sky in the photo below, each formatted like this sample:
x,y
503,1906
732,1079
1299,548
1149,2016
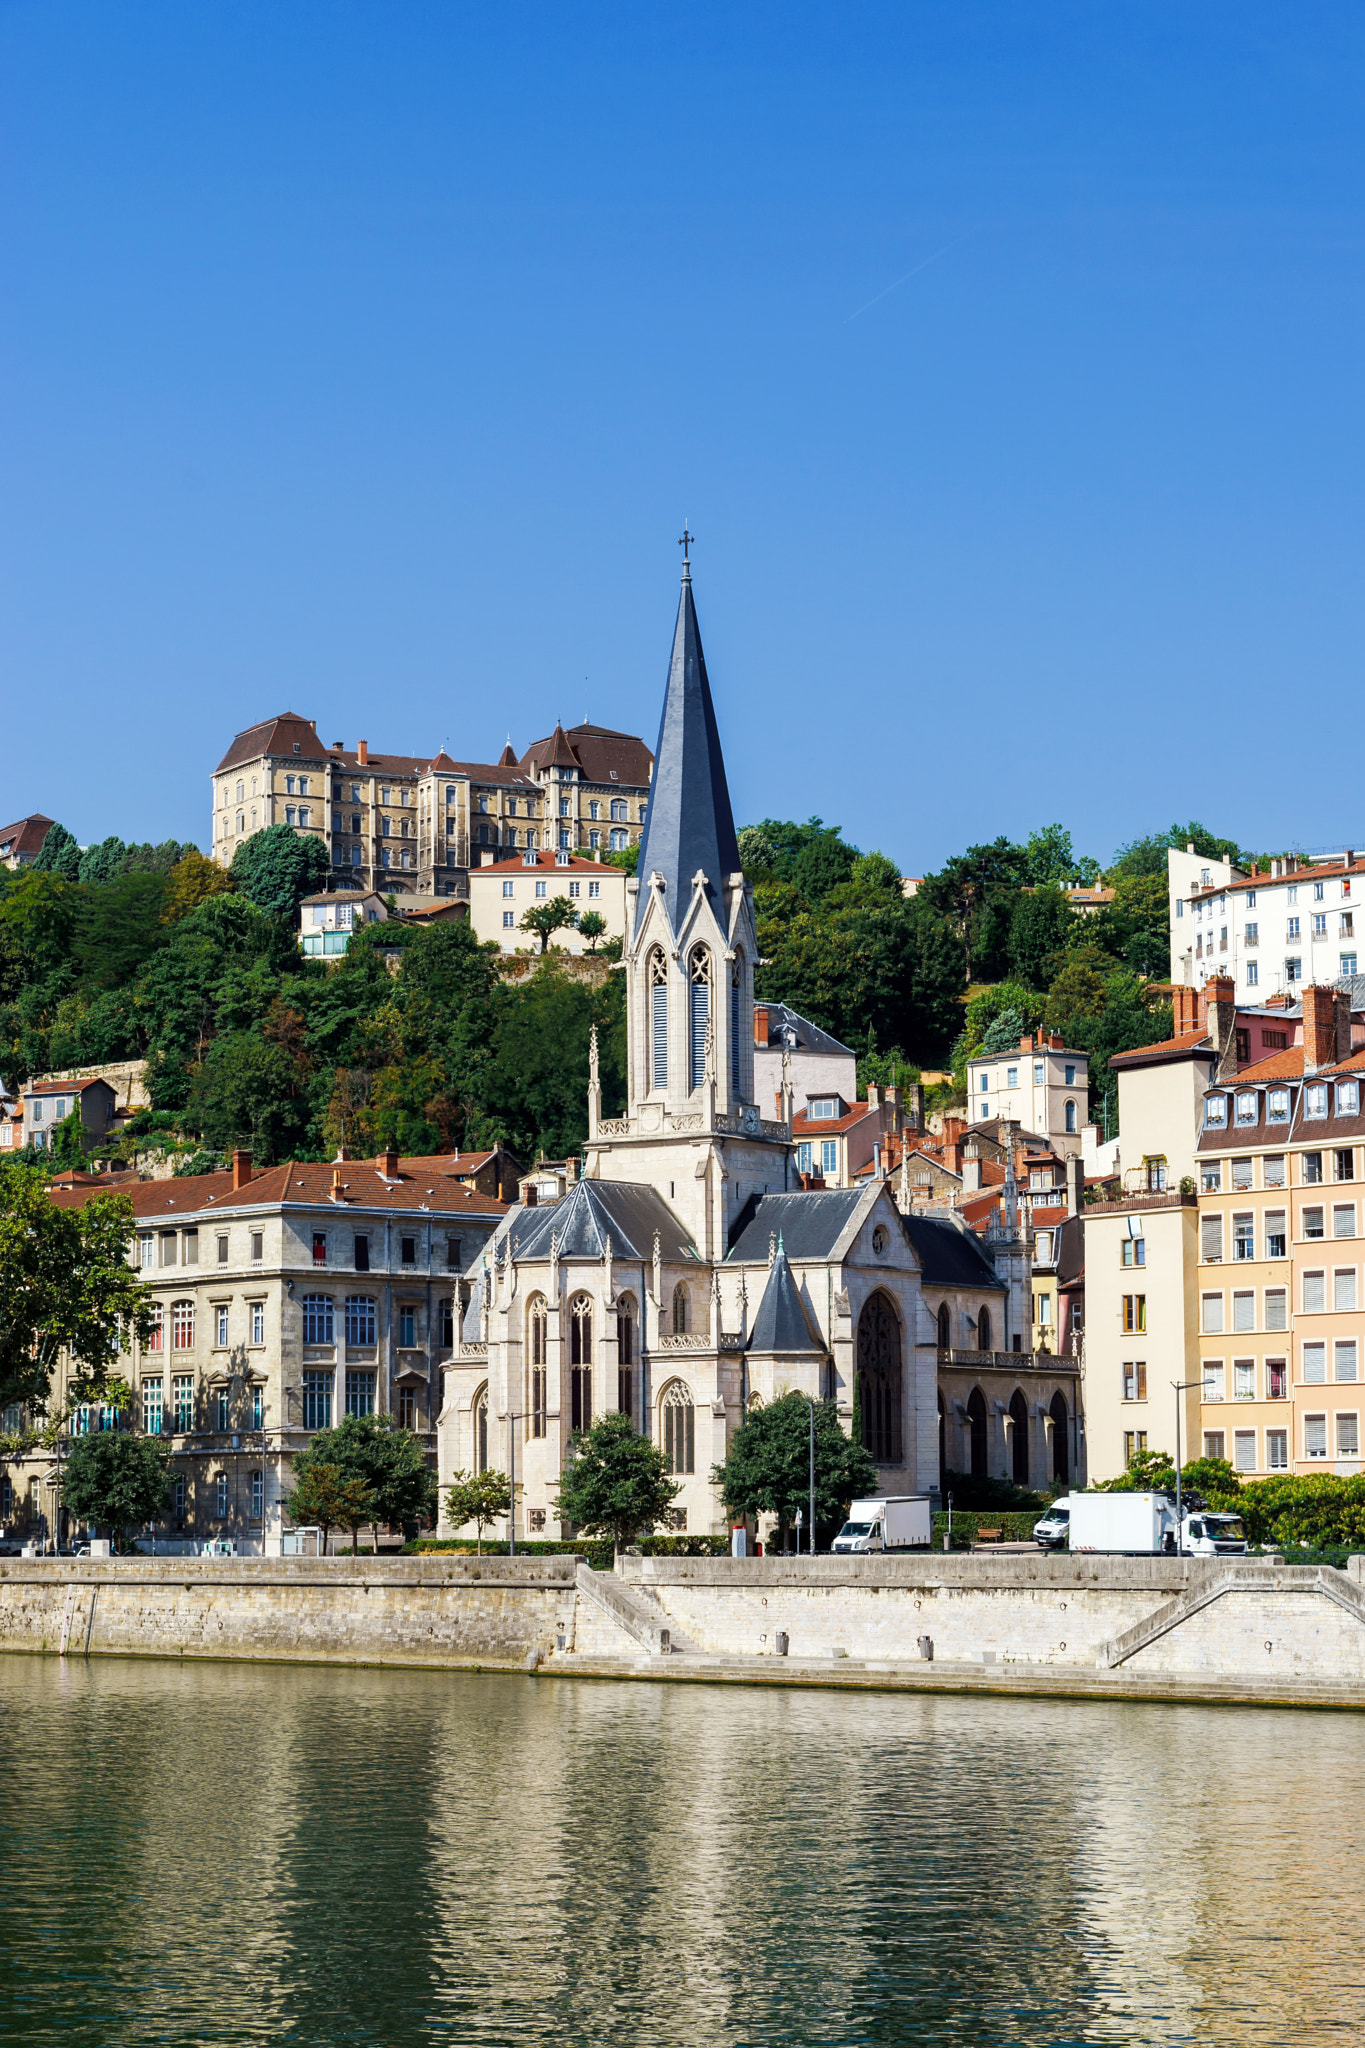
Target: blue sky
x,y
365,360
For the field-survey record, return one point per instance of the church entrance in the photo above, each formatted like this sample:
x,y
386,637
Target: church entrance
x,y
881,1381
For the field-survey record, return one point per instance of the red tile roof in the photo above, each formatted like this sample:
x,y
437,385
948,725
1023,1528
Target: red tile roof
x,y
816,1126
1320,873
1281,1066
430,1189
288,735
602,755
24,839
543,859
1170,1048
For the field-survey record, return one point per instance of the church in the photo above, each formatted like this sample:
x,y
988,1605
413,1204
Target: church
x,y
688,1270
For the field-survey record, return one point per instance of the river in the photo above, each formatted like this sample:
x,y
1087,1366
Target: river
x,y
232,1853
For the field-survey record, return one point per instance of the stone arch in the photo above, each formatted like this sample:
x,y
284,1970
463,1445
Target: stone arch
x,y
1019,1437
678,1429
945,1327
976,1434
983,1329
1061,1424
881,1380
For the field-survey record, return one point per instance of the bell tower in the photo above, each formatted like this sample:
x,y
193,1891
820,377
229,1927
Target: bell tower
x,y
692,1128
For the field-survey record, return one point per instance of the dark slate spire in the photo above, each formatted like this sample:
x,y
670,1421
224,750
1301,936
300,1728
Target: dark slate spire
x,y
689,824
782,1323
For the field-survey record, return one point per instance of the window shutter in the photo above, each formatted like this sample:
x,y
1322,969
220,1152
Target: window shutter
x,y
660,1034
1314,1292
701,1005
1315,1436
1211,1240
1275,1316
734,1038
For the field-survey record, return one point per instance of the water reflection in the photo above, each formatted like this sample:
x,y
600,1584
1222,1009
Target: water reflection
x,y
221,1853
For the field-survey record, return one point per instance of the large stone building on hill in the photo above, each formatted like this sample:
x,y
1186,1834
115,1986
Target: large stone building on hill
x,y
407,825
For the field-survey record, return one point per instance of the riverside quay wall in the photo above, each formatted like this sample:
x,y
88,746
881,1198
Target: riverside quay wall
x,y
1117,1627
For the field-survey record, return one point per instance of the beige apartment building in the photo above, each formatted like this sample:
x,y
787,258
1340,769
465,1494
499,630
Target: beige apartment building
x,y
1041,1085
285,1299
1281,1160
500,896
405,825
1141,1256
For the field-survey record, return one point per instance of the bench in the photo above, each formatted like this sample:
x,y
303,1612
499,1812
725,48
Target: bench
x,y
989,1535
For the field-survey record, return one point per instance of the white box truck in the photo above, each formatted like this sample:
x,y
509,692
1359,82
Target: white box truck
x,y
897,1521
1138,1525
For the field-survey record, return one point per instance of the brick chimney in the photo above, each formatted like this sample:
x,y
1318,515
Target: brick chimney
x,y
528,1195
1026,1042
953,1127
760,1024
388,1164
362,753
1326,1026
1056,1042
1221,998
874,1096
1188,1007
241,1170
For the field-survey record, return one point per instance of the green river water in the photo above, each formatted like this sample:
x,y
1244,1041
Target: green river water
x,y
229,1853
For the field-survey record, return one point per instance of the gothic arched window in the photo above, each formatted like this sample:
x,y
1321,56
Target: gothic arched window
x,y
880,1380
945,1328
658,1020
1019,1436
679,1430
679,1310
580,1363
976,1423
537,1340
983,1330
698,1015
736,1010
481,1430
1060,1428
625,1355
1071,1116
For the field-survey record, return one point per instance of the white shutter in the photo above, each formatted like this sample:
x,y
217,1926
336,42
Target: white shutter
x,y
1211,1240
1314,1292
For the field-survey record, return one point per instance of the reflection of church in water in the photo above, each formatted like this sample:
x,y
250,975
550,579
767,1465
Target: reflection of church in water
x,y
687,1269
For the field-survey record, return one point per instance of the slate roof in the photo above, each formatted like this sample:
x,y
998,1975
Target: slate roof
x,y
949,1257
603,756
782,1322
275,736
592,1212
24,838
810,1225
689,826
786,1026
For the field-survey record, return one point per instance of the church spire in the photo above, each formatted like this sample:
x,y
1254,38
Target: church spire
x,y
689,825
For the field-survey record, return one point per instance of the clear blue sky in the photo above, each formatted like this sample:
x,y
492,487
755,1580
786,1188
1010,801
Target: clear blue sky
x,y
364,360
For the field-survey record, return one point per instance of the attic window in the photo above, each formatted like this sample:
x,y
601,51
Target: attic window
x,y
823,1106
613,774
298,749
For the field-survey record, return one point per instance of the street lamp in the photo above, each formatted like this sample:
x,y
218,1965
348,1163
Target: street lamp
x,y
512,1417
1181,1387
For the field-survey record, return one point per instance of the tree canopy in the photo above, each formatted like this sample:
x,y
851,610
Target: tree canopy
x,y
767,1469
277,867
116,1480
65,1281
616,1482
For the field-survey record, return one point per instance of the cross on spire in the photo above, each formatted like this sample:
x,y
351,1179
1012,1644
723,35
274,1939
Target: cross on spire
x,y
685,543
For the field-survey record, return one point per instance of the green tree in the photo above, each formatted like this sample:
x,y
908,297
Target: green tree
x,y
193,880
1039,923
1004,1032
1147,856
616,1481
627,857
65,1282
386,1458
101,862
116,1480
478,1497
58,855
767,1470
965,889
248,1092
556,914
592,926
1050,859
276,868
333,1499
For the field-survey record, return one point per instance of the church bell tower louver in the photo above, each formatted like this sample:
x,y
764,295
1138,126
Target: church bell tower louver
x,y
692,1128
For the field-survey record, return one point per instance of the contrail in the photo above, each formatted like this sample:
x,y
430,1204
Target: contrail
x,y
913,273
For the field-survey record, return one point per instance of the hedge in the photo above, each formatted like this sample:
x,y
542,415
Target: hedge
x,y
1015,1525
598,1553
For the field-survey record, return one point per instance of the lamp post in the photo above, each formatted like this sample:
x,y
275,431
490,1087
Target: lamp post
x,y
513,1416
1181,1387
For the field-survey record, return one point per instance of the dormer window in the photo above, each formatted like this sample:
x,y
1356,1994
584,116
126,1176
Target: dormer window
x,y
1315,1100
1216,1111
1246,1106
1277,1106
1348,1098
823,1107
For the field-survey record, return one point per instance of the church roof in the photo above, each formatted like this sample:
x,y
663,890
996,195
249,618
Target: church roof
x,y
689,825
949,1257
592,1212
782,1322
810,1225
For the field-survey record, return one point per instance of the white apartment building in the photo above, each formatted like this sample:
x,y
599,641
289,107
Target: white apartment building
x,y
1272,932
1040,1085
501,895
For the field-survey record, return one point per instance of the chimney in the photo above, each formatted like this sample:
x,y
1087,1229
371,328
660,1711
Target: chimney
x,y
914,1107
1221,997
241,1170
388,1163
971,1167
876,1162
874,1096
570,1171
336,1180
1074,1184
1026,1042
343,1154
528,1195
1189,846
1056,1042
760,1024
362,753
1326,1026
